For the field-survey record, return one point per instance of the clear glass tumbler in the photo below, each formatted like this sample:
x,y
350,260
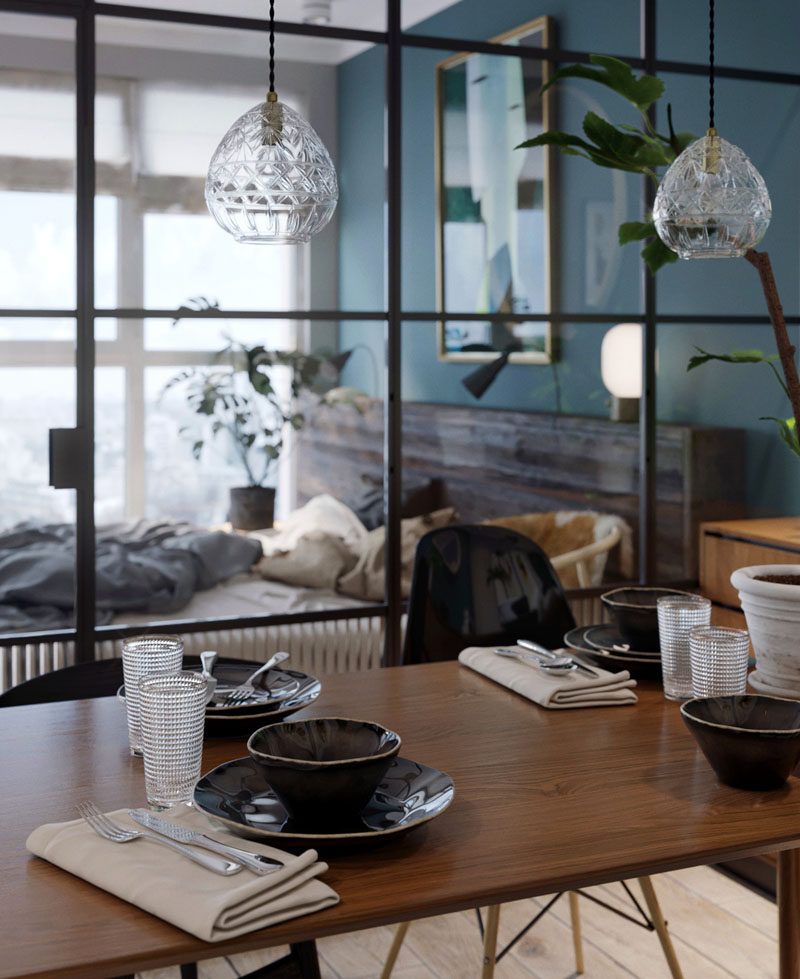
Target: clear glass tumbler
x,y
677,616
141,656
172,711
719,660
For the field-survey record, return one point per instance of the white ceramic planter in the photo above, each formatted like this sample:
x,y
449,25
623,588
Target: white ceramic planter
x,y
772,611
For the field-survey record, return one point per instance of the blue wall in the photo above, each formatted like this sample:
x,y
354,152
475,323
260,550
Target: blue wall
x,y
762,119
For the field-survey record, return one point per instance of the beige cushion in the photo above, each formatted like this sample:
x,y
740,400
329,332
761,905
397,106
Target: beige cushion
x,y
317,560
366,580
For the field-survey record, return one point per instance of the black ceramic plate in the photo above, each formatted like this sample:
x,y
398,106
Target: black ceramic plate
x,y
234,725
236,794
271,688
606,637
635,662
230,724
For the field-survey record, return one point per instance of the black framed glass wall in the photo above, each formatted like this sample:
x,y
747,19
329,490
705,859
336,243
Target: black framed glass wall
x,y
377,265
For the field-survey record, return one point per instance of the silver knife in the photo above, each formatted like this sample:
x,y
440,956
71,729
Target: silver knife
x,y
255,862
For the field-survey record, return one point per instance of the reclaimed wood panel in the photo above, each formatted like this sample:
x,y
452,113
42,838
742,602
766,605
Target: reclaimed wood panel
x,y
494,463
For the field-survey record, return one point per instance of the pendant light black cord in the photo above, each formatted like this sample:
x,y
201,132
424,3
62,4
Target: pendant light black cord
x,y
710,64
272,45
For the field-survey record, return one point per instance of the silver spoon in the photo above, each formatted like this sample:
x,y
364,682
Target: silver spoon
x,y
552,657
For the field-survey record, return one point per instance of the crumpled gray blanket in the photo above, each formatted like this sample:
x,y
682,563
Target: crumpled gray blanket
x,y
148,566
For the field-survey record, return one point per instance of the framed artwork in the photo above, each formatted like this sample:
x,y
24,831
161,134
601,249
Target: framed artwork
x,y
494,203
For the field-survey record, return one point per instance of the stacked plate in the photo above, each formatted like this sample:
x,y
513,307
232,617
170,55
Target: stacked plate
x,y
605,643
276,694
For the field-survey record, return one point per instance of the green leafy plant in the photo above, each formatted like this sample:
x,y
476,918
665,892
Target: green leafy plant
x,y
622,147
645,151
235,397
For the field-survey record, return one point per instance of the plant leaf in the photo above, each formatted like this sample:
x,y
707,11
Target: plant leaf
x,y
655,253
635,231
734,357
618,76
788,431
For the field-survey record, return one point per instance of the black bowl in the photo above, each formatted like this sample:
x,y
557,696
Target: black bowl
x,y
633,609
751,742
323,770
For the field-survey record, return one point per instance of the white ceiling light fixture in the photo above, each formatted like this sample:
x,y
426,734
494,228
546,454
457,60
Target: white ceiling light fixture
x,y
316,11
712,202
271,179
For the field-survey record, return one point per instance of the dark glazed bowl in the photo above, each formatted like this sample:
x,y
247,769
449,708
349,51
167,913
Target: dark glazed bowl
x,y
633,609
323,770
751,742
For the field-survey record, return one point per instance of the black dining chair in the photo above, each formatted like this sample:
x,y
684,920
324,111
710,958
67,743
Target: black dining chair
x,y
102,678
481,585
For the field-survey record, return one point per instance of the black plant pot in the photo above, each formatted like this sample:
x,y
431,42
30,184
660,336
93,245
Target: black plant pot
x,y
252,507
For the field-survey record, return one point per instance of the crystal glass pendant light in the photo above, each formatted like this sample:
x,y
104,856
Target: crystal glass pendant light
x,y
712,202
271,180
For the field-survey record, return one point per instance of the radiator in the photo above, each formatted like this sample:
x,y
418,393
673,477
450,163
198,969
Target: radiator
x,y
334,646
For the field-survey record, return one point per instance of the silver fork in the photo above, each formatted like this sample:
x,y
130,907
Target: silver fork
x,y
245,691
110,830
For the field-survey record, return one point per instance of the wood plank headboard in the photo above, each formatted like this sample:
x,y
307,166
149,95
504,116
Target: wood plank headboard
x,y
494,462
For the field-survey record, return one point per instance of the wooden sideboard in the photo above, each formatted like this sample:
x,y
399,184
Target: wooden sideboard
x,y
493,462
729,544
724,546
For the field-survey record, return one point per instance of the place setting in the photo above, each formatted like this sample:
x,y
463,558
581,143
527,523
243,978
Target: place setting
x,y
239,698
198,877
237,849
554,679
326,782
630,641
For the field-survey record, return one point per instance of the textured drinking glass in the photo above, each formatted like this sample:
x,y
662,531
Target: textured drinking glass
x,y
172,711
677,616
719,660
142,655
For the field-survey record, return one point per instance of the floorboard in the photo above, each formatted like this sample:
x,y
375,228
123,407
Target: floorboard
x,y
720,929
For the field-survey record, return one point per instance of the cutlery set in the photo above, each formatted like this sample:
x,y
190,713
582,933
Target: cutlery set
x,y
174,836
546,659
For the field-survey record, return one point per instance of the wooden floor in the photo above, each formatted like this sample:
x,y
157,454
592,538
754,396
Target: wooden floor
x,y
719,928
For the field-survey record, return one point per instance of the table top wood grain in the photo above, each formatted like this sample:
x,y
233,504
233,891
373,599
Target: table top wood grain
x,y
545,800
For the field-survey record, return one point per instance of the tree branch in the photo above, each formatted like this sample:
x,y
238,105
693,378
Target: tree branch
x,y
786,351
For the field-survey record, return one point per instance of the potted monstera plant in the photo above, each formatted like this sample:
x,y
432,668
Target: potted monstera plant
x,y
237,399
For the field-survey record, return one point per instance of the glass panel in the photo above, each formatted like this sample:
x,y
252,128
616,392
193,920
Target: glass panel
x,y
593,28
182,99
334,13
37,162
109,448
768,138
547,388
187,255
730,397
742,40
106,261
591,272
33,400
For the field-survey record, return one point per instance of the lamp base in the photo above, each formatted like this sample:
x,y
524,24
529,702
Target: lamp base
x,y
624,409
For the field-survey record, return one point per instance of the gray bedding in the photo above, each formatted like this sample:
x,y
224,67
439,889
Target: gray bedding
x,y
146,566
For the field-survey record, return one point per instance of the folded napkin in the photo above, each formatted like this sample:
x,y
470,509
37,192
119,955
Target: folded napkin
x,y
571,688
170,886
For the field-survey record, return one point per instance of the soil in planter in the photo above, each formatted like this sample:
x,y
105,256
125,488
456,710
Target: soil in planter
x,y
779,579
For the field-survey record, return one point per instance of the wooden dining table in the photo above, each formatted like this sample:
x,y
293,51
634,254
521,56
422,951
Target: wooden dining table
x,y
545,801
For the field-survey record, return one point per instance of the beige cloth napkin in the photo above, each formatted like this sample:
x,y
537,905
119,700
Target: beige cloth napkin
x,y
199,901
551,689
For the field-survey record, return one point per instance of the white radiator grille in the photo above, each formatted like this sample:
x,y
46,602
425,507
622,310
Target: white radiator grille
x,y
335,646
